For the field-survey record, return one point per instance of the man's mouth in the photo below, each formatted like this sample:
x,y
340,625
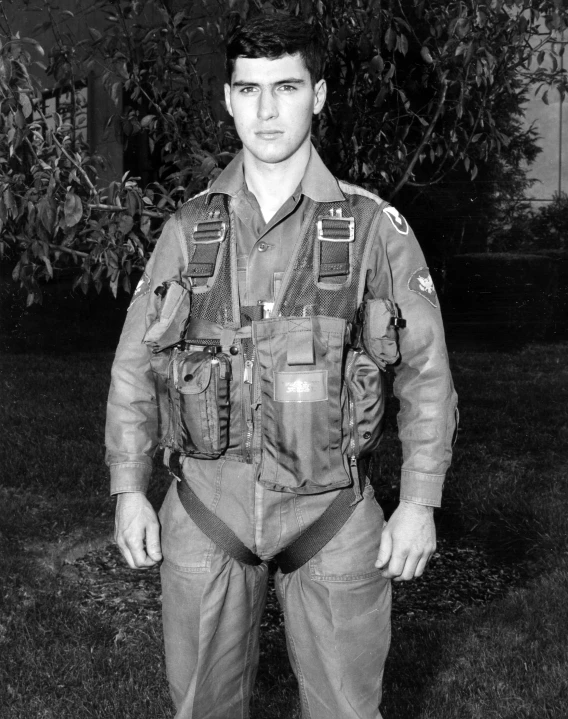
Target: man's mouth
x,y
269,134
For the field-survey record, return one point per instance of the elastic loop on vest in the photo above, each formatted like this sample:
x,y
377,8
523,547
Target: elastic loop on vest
x,y
300,341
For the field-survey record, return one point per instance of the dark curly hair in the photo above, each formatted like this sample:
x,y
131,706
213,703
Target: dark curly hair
x,y
273,36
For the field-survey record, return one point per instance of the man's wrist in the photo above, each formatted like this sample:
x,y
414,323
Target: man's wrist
x,y
426,508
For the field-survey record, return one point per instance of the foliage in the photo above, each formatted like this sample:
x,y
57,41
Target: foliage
x,y
530,229
417,92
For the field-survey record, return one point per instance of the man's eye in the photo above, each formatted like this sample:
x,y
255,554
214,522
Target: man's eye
x,y
248,90
288,88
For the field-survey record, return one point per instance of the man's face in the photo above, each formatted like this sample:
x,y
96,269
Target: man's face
x,y
272,103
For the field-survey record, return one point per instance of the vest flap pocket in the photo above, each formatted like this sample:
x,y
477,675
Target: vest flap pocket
x,y
301,416
192,372
169,326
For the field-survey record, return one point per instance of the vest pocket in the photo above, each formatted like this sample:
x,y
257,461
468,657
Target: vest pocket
x,y
364,384
199,394
299,365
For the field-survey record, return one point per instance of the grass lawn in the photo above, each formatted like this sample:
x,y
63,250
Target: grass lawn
x,y
83,639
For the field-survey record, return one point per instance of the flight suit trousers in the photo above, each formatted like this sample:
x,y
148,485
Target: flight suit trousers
x,y
336,612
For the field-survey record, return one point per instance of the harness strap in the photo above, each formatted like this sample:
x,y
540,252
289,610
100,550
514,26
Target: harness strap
x,y
205,238
213,527
292,557
335,233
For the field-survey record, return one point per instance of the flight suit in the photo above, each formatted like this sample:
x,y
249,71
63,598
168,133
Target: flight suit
x,y
337,606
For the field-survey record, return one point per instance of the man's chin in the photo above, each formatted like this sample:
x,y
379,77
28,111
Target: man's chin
x,y
272,155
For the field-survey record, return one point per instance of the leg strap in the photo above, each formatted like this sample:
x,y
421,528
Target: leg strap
x,y
292,557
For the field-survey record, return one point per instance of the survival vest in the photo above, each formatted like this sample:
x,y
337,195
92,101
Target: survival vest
x,y
292,391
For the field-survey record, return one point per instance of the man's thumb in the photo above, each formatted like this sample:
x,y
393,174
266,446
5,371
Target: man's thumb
x,y
385,550
153,547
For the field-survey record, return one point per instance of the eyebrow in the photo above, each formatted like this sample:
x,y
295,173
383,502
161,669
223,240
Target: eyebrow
x,y
288,81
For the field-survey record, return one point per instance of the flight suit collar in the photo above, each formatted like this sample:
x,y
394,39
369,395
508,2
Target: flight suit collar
x,y
318,183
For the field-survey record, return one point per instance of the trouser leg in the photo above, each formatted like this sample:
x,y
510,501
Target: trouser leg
x,y
337,618
211,611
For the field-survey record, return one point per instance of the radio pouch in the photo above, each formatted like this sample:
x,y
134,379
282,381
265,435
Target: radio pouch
x,y
199,395
380,336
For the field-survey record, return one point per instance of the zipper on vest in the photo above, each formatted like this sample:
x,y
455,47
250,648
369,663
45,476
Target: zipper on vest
x,y
248,377
351,408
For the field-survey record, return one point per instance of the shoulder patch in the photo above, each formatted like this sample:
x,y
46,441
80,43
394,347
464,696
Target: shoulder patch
x,y
421,283
397,220
142,288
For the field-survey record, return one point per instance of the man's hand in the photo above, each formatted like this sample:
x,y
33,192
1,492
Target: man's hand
x,y
407,542
137,530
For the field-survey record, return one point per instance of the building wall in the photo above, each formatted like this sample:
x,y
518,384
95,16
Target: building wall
x,y
551,121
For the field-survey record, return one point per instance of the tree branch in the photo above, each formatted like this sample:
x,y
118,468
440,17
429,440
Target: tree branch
x,y
70,158
69,250
118,208
441,100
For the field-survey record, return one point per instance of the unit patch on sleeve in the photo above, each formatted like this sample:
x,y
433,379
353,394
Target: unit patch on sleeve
x,y
397,220
421,283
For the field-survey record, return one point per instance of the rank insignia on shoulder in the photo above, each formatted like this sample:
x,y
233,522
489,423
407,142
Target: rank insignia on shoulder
x,y
397,220
421,282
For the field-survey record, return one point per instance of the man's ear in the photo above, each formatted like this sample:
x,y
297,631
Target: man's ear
x,y
320,92
227,89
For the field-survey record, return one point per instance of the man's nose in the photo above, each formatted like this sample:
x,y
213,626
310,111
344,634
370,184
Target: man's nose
x,y
267,106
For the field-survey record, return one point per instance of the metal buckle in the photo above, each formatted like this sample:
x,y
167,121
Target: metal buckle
x,y
267,308
336,218
213,234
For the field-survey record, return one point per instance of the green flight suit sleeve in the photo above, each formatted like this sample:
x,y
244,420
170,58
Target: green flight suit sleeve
x,y
423,383
131,436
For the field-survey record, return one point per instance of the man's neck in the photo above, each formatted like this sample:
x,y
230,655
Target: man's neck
x,y
273,184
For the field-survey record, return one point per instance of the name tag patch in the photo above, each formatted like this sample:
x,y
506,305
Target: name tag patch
x,y
300,386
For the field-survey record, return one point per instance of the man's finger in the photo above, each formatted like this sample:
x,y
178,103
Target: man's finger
x,y
125,552
421,566
395,567
409,570
385,549
153,546
139,556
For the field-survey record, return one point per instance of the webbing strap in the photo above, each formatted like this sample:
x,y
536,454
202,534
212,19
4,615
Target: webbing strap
x,y
213,527
318,534
207,236
292,557
335,233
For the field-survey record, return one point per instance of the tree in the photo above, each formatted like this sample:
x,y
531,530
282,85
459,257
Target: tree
x,y
418,91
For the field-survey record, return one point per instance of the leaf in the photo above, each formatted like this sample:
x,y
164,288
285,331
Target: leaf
x,y
426,56
132,203
116,92
72,209
125,224
147,121
25,104
402,44
390,38
377,65
20,119
48,266
46,212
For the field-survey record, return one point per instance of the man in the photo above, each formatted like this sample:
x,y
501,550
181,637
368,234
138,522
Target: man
x,y
257,400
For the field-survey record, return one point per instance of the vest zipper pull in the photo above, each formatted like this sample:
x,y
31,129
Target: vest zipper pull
x,y
247,376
